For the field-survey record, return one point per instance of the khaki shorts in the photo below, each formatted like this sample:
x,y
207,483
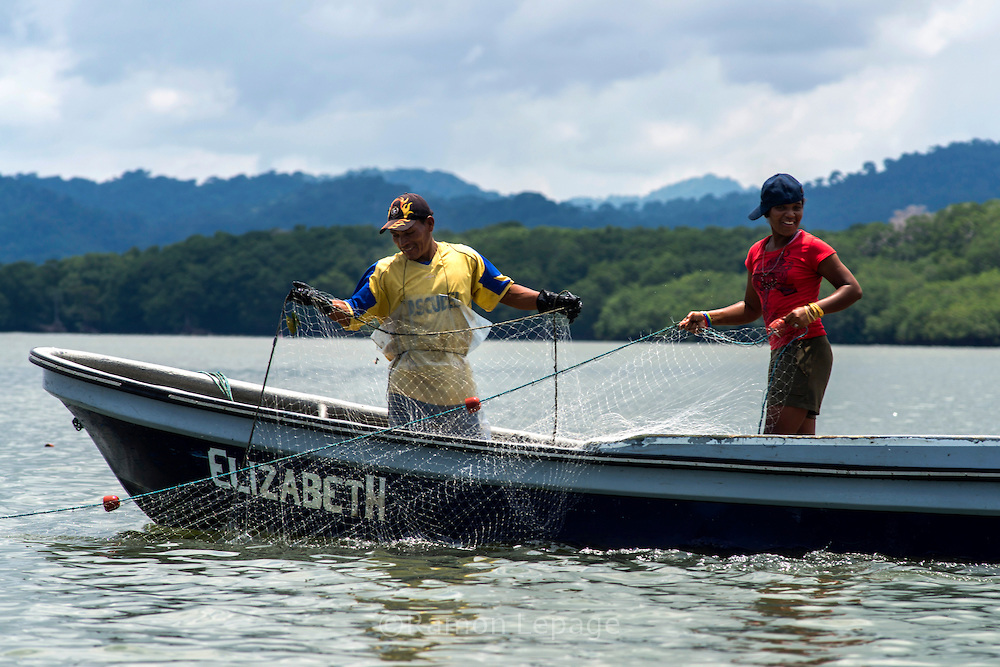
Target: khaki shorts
x,y
799,373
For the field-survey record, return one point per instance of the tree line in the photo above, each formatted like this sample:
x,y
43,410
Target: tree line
x,y
51,218
933,279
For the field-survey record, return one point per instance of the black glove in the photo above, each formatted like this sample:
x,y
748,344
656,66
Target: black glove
x,y
303,293
567,302
309,296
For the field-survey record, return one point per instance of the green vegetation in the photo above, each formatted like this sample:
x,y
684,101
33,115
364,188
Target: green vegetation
x,y
51,218
933,280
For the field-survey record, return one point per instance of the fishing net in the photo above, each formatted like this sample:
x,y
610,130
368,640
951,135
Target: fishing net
x,y
485,454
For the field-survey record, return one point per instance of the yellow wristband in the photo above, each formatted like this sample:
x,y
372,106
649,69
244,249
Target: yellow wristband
x,y
815,312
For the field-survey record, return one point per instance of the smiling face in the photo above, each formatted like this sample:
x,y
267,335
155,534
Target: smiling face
x,y
417,243
785,220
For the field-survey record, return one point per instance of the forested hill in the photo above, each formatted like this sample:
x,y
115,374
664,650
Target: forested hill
x,y
932,279
44,218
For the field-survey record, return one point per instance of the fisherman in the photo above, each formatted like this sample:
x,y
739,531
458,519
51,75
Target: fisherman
x,y
421,298
784,273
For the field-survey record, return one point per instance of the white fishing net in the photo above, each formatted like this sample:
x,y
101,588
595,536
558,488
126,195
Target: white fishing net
x,y
487,452
328,455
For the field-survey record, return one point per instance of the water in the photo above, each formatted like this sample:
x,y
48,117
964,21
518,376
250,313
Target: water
x,y
92,588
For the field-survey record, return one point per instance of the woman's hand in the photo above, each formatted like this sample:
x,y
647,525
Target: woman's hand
x,y
694,322
799,318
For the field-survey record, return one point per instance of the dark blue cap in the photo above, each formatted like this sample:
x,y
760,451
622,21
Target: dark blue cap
x,y
779,189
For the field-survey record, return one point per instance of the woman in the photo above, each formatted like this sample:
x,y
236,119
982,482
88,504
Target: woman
x,y
784,272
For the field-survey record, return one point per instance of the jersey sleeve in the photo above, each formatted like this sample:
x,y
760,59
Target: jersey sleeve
x,y
364,300
491,285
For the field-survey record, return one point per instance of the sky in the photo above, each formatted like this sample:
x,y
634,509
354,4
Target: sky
x,y
566,98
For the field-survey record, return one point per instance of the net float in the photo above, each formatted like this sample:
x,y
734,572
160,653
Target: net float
x,y
472,404
111,503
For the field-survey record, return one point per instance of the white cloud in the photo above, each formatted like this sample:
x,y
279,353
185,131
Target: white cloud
x,y
30,89
949,24
563,97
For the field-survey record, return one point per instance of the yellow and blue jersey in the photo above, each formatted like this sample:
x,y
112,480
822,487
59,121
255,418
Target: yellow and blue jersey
x,y
456,271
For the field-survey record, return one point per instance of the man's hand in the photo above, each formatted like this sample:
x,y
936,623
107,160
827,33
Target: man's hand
x,y
309,296
567,302
304,294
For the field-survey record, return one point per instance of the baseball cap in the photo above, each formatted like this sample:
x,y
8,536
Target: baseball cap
x,y
779,189
404,210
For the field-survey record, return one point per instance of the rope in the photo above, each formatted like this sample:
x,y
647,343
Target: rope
x,y
515,320
369,326
555,383
221,381
267,373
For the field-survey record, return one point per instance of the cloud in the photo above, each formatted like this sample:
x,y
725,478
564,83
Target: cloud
x,y
563,97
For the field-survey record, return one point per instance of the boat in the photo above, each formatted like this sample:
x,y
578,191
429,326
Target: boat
x,y
195,452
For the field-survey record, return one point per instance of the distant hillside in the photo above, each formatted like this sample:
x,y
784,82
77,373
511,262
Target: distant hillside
x,y
46,218
691,188
434,183
37,223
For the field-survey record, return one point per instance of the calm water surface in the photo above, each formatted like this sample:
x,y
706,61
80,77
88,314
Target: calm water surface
x,y
88,587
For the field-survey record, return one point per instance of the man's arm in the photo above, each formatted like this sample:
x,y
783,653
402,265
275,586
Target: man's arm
x,y
340,312
335,309
525,298
521,297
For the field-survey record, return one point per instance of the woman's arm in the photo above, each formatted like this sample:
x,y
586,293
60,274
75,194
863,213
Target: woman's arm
x,y
741,312
847,290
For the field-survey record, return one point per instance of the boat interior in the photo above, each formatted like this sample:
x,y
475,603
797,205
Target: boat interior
x,y
216,386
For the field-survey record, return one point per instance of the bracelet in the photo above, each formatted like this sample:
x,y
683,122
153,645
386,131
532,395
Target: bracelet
x,y
815,312
708,320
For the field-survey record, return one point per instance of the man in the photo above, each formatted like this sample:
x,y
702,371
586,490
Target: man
x,y
421,297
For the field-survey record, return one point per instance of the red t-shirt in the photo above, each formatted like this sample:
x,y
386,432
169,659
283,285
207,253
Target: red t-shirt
x,y
788,278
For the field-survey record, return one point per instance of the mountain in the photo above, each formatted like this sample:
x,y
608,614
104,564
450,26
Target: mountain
x,y
37,223
47,218
434,183
960,172
169,209
691,188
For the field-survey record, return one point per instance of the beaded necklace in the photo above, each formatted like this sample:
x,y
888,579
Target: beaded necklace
x,y
777,260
